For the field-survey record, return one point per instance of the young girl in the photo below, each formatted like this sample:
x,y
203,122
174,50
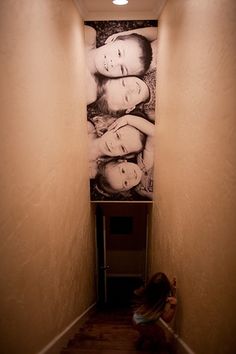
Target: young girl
x,y
117,177
121,96
120,175
118,96
156,300
120,140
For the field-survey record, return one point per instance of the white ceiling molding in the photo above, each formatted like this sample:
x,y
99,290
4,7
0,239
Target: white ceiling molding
x,y
105,10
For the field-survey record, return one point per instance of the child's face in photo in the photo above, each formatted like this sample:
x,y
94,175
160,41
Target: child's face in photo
x,y
119,58
123,176
120,142
125,93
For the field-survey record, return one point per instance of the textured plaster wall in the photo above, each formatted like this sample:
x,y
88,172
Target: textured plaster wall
x,y
194,229
47,245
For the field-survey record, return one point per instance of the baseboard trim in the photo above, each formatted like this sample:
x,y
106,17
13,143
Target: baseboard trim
x,y
57,343
180,341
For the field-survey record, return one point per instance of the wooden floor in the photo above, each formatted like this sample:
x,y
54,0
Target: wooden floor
x,y
108,331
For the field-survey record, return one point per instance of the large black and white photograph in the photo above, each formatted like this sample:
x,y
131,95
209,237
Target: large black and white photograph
x,y
121,98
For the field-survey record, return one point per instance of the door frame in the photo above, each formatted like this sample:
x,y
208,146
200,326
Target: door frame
x,y
101,238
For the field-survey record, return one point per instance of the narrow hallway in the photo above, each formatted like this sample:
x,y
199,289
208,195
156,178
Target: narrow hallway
x,y
48,253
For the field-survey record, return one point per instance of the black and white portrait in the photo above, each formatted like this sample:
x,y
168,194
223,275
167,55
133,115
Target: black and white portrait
x,y
121,94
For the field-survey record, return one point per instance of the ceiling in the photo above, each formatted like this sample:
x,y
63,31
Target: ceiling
x,y
106,10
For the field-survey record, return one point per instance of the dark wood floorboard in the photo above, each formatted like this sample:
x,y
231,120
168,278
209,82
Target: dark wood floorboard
x,y
107,332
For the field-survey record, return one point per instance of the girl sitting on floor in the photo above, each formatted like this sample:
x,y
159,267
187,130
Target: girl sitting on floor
x,y
156,300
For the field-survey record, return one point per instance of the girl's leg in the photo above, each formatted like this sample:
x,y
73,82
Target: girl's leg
x,y
151,336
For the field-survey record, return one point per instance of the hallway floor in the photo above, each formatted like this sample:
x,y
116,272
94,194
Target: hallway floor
x,y
108,332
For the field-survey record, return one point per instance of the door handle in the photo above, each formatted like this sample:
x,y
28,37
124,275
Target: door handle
x,y
105,267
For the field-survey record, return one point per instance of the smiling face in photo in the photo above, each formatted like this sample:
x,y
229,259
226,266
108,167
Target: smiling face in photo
x,y
125,93
125,140
123,176
119,58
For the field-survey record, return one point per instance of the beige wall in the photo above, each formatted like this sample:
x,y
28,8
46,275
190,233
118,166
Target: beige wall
x,y
194,216
47,246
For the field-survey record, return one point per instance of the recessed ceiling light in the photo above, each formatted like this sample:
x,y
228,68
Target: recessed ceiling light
x,y
120,2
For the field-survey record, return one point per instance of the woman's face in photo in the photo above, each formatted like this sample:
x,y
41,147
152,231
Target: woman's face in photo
x,y
123,176
121,142
119,58
125,93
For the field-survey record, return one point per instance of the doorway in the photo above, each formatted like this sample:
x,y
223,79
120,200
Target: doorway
x,y
122,240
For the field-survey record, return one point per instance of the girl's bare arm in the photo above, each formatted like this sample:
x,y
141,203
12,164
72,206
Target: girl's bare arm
x,y
170,309
137,122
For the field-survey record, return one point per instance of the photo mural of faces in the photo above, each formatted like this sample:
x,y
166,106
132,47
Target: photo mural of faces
x,y
121,94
